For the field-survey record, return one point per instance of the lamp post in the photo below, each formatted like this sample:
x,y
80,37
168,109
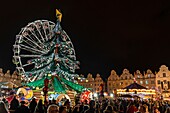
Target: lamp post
x,y
45,89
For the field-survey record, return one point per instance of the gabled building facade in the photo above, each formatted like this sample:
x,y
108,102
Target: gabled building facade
x,y
126,78
163,82
113,82
92,83
7,77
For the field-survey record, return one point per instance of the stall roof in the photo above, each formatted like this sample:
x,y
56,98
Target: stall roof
x,y
135,86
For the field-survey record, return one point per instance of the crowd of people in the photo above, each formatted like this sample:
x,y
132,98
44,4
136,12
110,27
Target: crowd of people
x,y
94,106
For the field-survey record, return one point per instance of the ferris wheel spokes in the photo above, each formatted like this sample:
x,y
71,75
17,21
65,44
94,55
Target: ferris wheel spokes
x,y
34,56
33,42
34,34
27,48
46,29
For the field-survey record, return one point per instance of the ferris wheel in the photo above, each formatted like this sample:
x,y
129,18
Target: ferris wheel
x,y
42,47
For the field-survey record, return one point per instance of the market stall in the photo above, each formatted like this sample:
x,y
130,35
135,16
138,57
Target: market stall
x,y
136,90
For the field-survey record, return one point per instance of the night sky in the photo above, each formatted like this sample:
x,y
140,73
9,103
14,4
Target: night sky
x,y
111,34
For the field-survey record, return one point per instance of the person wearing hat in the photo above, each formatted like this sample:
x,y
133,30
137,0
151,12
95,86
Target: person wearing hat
x,y
22,108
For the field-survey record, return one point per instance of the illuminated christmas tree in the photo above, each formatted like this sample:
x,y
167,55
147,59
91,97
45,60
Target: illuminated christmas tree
x,y
48,53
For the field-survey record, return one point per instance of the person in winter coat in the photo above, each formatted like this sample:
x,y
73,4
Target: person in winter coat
x,y
14,104
132,108
32,105
3,108
109,109
63,109
22,108
92,107
40,107
53,108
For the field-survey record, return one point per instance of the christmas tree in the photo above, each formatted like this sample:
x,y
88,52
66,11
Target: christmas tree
x,y
57,61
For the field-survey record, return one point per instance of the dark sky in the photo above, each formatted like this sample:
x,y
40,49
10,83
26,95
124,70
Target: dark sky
x,y
110,34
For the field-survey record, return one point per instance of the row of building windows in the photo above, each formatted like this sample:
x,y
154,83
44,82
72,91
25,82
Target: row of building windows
x,y
164,81
141,82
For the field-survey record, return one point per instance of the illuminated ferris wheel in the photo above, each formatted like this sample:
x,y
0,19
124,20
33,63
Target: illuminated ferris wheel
x,y
42,47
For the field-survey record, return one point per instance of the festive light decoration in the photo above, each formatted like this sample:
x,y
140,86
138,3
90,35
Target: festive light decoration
x,y
27,93
43,48
95,95
85,96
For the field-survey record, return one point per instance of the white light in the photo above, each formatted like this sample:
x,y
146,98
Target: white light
x,y
105,94
95,95
49,75
111,94
42,93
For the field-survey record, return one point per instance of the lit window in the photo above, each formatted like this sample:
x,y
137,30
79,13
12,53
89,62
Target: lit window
x,y
146,82
149,75
141,82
